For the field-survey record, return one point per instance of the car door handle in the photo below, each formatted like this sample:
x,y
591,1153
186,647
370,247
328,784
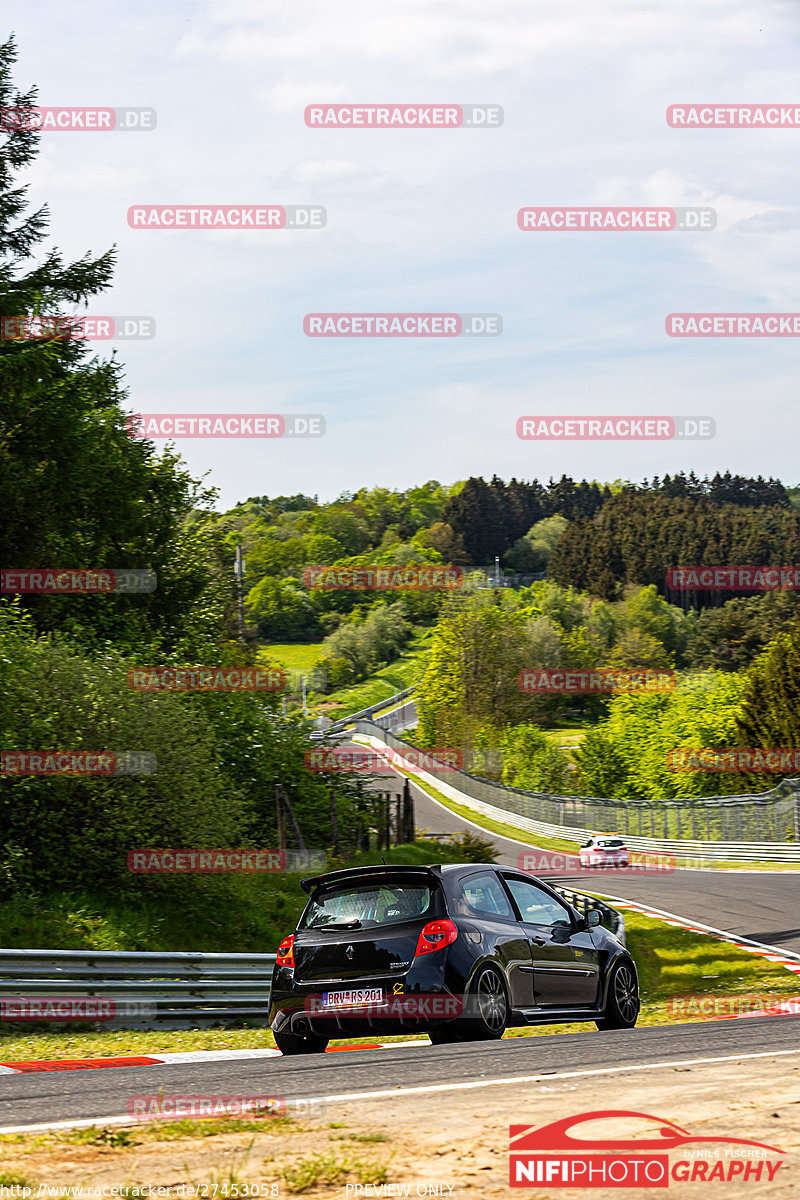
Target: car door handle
x,y
535,941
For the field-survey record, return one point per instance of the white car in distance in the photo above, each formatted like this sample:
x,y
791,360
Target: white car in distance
x,y
604,850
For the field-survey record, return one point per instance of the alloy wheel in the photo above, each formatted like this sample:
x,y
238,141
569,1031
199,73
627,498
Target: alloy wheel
x,y
626,993
491,999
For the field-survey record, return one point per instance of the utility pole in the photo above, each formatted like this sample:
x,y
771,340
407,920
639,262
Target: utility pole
x,y
334,825
239,568
497,570
279,818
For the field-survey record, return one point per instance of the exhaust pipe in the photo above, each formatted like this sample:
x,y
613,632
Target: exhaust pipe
x,y
301,1025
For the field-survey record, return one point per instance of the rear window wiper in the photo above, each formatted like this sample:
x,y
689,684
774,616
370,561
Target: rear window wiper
x,y
341,925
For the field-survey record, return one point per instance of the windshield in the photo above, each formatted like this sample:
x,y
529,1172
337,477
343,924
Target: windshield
x,y
611,843
366,905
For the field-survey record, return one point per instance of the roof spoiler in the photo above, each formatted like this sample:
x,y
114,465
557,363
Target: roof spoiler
x,y
355,873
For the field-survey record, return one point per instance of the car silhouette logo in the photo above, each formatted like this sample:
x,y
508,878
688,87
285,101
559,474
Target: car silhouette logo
x,y
558,1136
349,951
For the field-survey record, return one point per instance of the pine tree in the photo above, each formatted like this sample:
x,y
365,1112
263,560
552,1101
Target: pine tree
x,y
770,710
76,490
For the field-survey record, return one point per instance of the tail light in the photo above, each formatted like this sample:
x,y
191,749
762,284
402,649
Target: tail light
x,y
435,936
285,954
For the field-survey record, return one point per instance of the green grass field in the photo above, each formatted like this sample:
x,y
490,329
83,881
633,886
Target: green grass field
x,y
404,672
292,656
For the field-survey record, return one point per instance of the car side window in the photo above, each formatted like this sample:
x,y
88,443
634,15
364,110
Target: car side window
x,y
484,894
536,906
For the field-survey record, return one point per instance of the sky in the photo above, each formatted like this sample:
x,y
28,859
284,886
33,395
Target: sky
x,y
425,220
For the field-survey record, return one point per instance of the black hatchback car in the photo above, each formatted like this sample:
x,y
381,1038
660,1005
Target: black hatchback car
x,y
459,952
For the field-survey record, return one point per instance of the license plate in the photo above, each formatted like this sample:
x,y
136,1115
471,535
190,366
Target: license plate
x,y
352,997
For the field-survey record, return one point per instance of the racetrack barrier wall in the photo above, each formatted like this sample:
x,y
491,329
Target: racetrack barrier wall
x,y
744,828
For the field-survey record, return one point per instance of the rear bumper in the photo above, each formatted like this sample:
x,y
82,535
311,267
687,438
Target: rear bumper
x,y
421,999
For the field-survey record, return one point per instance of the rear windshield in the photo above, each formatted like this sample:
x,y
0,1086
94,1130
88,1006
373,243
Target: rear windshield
x,y
370,904
611,843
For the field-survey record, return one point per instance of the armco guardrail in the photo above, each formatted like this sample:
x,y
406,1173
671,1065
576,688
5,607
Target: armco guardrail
x,y
367,713
609,916
172,991
744,828
150,990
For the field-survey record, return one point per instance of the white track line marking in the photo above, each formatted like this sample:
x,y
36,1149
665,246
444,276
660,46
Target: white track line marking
x,y
471,1085
746,943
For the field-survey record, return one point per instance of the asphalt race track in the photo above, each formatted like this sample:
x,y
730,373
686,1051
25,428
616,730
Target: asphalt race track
x,y
764,906
95,1094
760,906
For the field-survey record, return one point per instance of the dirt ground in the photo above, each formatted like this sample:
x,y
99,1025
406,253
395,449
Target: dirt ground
x,y
452,1143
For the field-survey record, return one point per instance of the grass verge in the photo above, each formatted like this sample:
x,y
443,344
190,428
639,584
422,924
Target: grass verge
x,y
404,672
229,913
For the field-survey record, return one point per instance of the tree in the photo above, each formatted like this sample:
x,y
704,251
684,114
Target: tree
x,y
281,609
76,490
770,707
731,637
532,762
442,538
627,754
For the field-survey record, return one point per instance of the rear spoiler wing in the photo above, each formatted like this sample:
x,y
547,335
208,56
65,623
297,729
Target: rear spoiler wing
x,y
355,873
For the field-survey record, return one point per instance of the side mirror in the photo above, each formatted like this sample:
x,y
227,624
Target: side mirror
x,y
592,918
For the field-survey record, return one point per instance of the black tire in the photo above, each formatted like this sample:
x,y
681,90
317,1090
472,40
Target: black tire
x,y
487,1003
623,1003
292,1043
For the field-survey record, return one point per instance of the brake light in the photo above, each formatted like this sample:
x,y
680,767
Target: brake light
x,y
435,936
285,954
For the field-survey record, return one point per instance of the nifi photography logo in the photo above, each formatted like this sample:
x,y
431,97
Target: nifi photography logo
x,y
662,1151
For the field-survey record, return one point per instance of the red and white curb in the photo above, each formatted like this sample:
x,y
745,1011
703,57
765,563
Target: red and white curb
x,y
38,1066
34,1066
